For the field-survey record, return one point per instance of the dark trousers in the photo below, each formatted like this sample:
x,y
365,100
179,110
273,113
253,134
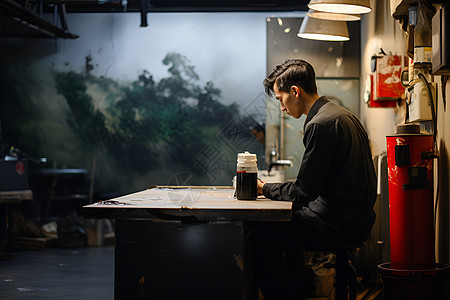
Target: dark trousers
x,y
278,251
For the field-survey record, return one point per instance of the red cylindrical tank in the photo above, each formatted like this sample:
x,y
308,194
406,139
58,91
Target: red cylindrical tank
x,y
410,172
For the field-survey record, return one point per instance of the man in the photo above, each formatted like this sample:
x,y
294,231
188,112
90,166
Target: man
x,y
259,133
335,190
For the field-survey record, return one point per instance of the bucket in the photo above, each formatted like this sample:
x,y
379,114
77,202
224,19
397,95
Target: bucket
x,y
430,284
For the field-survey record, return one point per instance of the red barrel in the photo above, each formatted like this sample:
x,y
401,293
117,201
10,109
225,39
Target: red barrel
x,y
410,172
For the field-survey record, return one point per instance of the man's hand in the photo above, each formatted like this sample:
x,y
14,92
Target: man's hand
x,y
260,186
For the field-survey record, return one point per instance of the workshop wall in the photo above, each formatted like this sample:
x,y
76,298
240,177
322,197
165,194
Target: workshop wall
x,y
336,65
380,30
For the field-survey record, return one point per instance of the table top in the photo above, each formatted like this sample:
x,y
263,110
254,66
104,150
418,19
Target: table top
x,y
59,172
12,197
189,203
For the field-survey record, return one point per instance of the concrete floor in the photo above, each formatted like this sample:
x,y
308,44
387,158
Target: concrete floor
x,y
52,273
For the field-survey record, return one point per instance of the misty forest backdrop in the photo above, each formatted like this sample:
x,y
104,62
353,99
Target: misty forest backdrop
x,y
171,131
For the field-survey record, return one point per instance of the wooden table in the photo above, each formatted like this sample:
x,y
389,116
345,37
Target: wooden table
x,y
136,214
60,191
9,200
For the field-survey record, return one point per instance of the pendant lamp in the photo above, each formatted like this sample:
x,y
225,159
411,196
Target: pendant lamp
x,y
341,6
323,30
333,16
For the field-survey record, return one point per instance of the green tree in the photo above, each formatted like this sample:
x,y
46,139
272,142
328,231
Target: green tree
x,y
148,126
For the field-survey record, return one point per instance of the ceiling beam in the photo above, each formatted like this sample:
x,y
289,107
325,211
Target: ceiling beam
x,y
26,17
81,6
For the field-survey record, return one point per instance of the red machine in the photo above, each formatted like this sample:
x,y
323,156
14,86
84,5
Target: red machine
x,y
410,171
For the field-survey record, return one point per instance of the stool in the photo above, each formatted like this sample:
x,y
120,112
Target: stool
x,y
345,272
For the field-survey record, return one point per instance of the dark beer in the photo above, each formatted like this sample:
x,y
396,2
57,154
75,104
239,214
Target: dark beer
x,y
246,176
246,186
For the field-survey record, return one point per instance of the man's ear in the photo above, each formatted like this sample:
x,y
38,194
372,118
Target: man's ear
x,y
295,90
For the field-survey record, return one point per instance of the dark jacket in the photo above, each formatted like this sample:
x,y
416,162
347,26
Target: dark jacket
x,y
335,188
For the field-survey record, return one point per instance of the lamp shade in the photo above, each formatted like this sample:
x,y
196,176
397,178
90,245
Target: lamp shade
x,y
341,6
333,16
323,30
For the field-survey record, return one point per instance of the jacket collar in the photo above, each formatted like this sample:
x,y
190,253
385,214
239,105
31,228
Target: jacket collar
x,y
315,108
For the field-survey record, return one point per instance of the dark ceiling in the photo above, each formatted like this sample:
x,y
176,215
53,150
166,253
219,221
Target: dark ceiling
x,y
31,18
184,5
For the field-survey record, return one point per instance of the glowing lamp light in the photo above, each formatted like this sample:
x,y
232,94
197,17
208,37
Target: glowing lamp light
x,y
341,6
323,30
333,16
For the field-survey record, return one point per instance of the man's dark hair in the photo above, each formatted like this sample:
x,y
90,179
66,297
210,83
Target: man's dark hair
x,y
291,72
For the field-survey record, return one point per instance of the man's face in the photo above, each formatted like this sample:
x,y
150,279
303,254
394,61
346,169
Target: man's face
x,y
289,102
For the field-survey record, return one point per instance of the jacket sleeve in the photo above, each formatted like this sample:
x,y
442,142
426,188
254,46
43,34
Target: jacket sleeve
x,y
312,179
287,191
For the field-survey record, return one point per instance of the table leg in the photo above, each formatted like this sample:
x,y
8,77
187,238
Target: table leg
x,y
171,260
11,229
3,231
7,233
251,291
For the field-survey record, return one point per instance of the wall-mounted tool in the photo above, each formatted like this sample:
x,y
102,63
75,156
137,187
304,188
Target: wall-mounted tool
x,y
441,41
386,79
384,87
421,92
